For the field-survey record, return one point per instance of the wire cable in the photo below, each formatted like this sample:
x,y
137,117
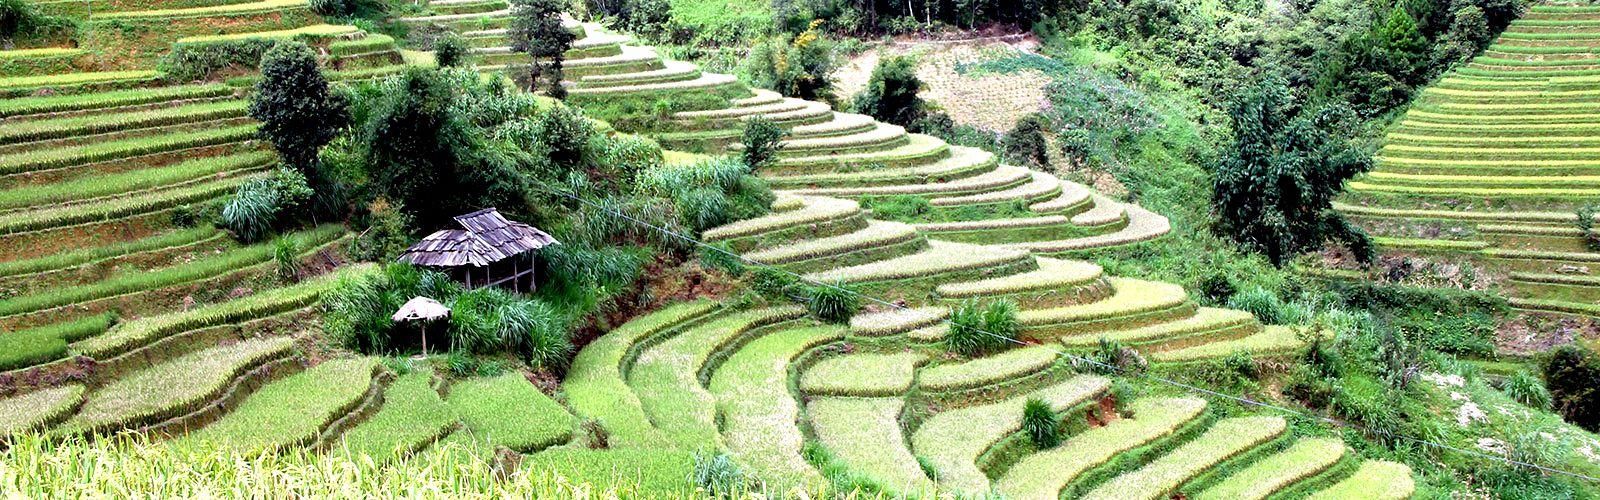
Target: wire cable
x,y
1081,359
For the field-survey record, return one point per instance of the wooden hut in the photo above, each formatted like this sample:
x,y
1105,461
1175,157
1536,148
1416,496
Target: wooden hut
x,y
488,250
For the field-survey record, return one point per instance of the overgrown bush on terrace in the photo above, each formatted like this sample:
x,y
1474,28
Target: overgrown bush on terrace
x,y
977,329
1041,423
20,19
1025,143
891,92
298,113
711,192
263,206
450,50
799,66
833,302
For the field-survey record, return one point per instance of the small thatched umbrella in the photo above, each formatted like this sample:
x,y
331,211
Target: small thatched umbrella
x,y
421,308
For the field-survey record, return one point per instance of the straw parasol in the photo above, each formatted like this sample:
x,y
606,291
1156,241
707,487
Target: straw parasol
x,y
421,308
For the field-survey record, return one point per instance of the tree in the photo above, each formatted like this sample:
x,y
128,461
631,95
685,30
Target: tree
x,y
1276,182
763,138
536,30
891,93
449,50
1572,374
1026,144
800,67
297,112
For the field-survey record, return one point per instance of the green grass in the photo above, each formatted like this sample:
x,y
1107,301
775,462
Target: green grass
x,y
1374,480
38,130
1304,459
154,280
508,411
633,473
1046,473
413,416
292,411
38,409
82,256
48,343
758,413
595,384
1161,477
864,434
862,374
952,441
1015,363
73,79
1273,339
172,388
313,31
97,186
61,103
666,377
46,159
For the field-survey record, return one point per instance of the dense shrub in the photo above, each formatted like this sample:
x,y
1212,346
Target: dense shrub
x,y
800,66
263,206
348,8
710,193
188,62
387,234
1026,145
1584,221
285,254
891,92
647,18
833,302
298,113
976,329
1276,181
1041,423
762,140
19,19
772,283
450,50
1572,374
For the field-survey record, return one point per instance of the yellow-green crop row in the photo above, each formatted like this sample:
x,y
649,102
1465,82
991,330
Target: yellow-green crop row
x,y
890,322
1430,244
86,255
817,210
134,97
313,31
131,335
1304,459
1496,192
372,42
74,79
862,374
1375,480
1207,319
757,412
38,130
1046,473
138,282
940,257
595,385
978,372
1000,178
1395,213
1273,339
864,434
951,441
509,411
33,220
1052,274
1132,297
218,10
172,388
100,186
35,410
876,234
1222,441
1040,187
918,148
293,411
46,159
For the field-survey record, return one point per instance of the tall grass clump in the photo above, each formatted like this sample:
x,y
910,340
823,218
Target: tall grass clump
x,y
1526,388
717,476
1041,423
1261,302
981,329
833,302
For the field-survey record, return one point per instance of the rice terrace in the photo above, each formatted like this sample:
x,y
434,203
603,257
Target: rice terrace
x,y
1026,249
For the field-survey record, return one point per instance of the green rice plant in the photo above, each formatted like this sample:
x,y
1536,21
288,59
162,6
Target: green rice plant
x,y
1041,423
83,256
59,128
143,331
895,321
45,159
758,413
412,417
140,282
99,186
1046,473
293,411
667,376
833,302
986,370
1161,477
287,256
595,386
115,208
1052,274
24,83
952,440
508,411
862,374
817,210
48,343
637,473
1374,480
172,388
133,97
35,410
864,434
1527,388
1304,459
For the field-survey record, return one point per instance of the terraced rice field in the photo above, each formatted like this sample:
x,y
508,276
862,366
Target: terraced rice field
x,y
1493,160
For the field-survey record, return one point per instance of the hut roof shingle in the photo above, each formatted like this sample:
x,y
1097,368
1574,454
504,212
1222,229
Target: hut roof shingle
x,y
488,237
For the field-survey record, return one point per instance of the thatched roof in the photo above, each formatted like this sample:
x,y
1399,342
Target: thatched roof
x,y
487,237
